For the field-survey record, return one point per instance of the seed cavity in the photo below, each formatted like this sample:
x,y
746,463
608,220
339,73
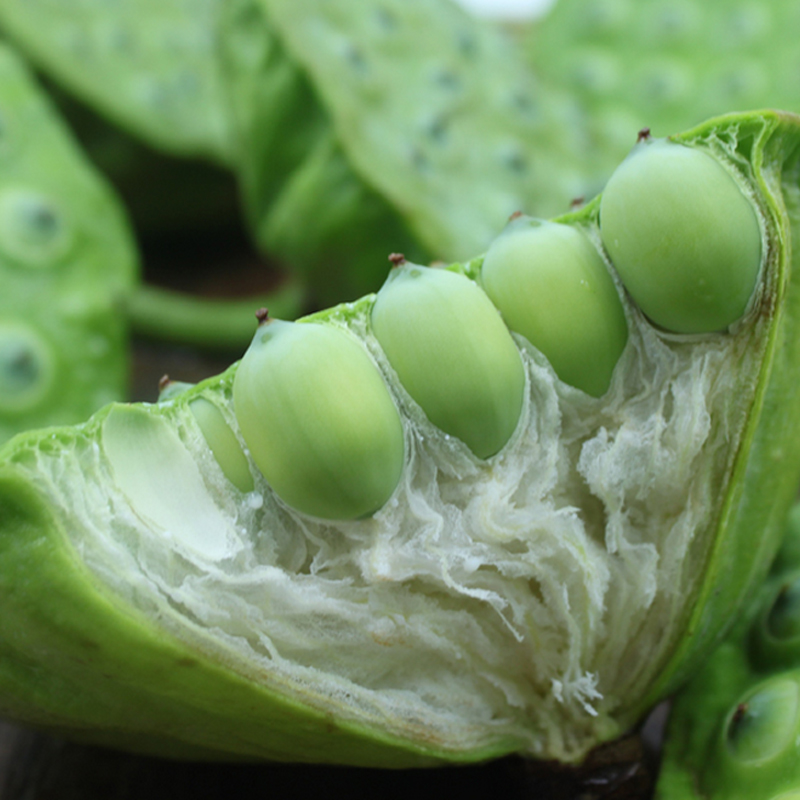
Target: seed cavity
x,y
27,368
452,354
33,231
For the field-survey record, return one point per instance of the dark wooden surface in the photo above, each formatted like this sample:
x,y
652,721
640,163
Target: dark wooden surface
x,y
36,766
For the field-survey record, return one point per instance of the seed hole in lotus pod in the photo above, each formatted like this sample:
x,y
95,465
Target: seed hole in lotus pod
x,y
27,368
33,231
163,483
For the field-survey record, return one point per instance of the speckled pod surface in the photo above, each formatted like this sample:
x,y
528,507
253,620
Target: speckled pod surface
x,y
67,260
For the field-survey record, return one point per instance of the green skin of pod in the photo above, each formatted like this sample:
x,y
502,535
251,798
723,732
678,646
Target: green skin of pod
x,y
78,658
223,443
551,285
735,730
452,353
662,218
318,420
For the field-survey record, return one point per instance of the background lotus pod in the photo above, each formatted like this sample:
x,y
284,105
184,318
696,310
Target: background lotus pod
x,y
388,102
701,756
149,65
538,603
411,132
664,64
424,141
67,261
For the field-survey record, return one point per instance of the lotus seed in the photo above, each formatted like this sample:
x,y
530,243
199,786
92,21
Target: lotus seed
x,y
763,723
318,420
683,237
223,443
452,353
783,621
552,287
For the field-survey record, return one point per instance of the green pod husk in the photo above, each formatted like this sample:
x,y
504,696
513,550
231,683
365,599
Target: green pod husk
x,y
539,602
734,731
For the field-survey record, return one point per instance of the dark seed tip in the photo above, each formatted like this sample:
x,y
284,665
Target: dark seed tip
x,y
515,215
576,203
739,714
644,135
163,382
262,315
397,259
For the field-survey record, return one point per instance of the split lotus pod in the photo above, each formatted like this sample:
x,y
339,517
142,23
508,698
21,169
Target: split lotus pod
x,y
67,261
537,601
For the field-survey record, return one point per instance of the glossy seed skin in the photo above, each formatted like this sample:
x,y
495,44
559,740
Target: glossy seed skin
x,y
552,287
452,353
318,420
683,237
223,443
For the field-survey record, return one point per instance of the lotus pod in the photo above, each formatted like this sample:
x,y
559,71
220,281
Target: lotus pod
x,y
148,65
67,260
415,127
409,124
538,602
735,729
664,64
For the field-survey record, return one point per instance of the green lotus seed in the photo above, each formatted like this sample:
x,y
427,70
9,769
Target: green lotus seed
x,y
27,368
683,237
763,724
452,353
775,633
318,420
783,620
223,443
552,287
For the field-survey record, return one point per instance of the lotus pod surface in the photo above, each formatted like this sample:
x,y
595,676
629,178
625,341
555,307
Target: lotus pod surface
x,y
665,64
148,65
67,261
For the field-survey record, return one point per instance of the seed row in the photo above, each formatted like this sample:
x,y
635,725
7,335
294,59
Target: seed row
x,y
318,418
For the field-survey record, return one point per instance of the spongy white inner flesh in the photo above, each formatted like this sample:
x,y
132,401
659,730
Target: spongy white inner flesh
x,y
528,597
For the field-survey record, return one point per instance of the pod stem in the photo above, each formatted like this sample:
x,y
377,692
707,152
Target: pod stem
x,y
206,322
